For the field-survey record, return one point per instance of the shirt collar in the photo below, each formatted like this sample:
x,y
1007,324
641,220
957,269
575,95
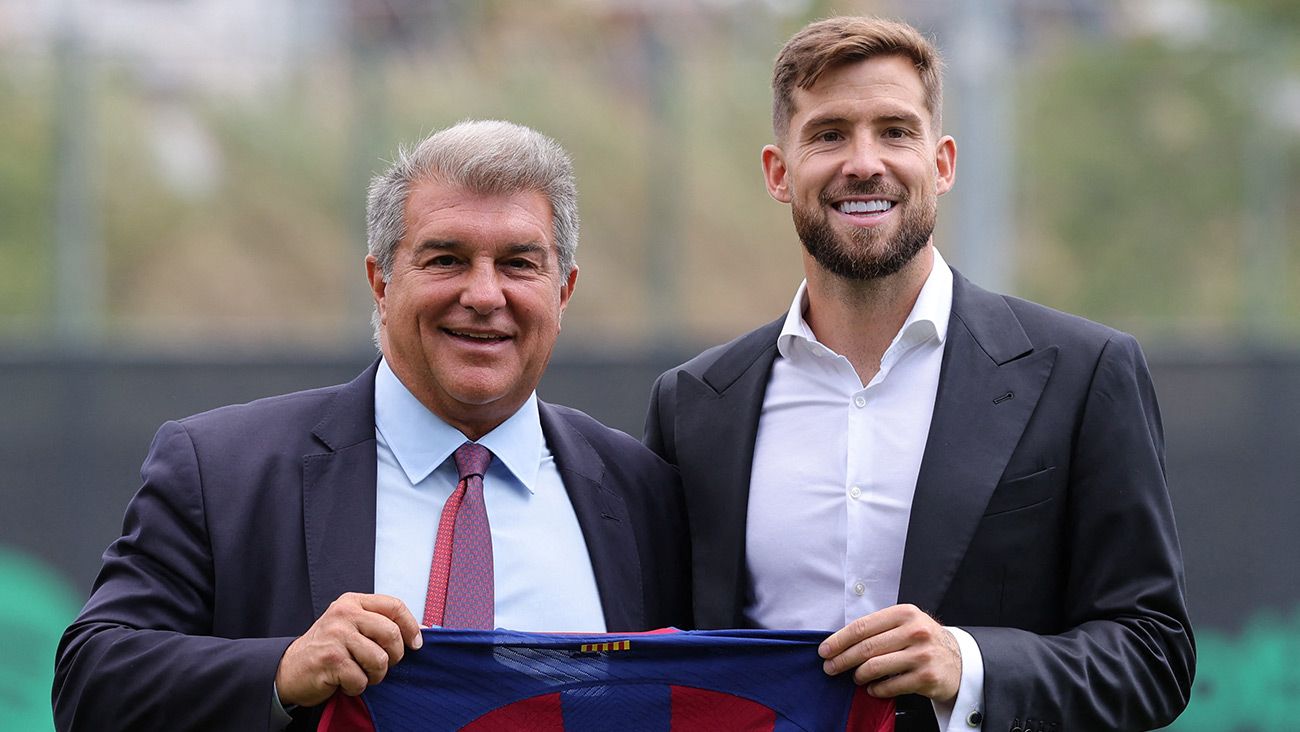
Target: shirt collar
x,y
421,440
928,318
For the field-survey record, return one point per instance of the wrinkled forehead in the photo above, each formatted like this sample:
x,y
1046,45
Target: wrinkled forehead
x,y
887,86
437,210
900,68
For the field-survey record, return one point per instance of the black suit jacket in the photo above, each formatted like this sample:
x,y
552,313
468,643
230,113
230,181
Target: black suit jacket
x,y
252,519
1041,522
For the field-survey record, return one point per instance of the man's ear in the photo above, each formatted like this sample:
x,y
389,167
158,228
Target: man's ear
x,y
775,173
566,290
378,285
945,162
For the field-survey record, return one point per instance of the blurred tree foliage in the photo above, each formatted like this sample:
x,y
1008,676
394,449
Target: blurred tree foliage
x,y
1135,200
1130,158
1137,181
26,202
1283,16
257,254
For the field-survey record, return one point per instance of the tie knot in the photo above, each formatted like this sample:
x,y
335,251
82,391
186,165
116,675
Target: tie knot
x,y
472,459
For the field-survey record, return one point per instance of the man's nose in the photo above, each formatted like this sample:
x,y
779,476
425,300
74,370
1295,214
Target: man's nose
x,y
865,159
482,291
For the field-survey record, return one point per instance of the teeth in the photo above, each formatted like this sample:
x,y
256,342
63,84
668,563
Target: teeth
x,y
873,206
477,336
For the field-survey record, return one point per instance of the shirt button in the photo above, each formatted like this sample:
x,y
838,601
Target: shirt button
x,y
974,719
859,589
861,401
855,492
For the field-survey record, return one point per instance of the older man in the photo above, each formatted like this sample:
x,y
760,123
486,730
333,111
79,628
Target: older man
x,y
970,486
284,549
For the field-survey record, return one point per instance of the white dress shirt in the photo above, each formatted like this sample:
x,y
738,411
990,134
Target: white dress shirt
x,y
834,471
541,569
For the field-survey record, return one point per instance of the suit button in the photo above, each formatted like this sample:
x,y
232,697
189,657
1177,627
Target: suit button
x,y
974,719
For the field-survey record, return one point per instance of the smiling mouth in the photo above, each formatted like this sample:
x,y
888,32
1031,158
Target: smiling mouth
x,y
476,337
874,206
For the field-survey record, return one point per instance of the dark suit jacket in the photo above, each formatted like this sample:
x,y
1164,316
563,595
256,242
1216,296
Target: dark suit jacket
x,y
252,519
1041,521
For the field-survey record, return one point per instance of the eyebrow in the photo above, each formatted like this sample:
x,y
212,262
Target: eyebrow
x,y
436,244
453,245
526,248
906,118
823,121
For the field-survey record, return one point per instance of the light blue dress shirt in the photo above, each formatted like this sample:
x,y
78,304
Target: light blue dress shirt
x,y
542,572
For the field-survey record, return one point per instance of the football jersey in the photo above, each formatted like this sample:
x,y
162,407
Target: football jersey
x,y
661,681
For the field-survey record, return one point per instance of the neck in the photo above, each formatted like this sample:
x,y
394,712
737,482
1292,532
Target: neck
x,y
472,420
859,318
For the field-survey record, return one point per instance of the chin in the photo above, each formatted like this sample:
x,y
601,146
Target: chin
x,y
478,396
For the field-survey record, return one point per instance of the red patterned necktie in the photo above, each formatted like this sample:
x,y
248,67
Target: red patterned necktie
x,y
460,581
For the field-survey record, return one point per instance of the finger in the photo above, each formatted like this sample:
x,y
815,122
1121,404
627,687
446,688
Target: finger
x,y
368,656
396,611
920,680
864,627
884,666
351,678
884,631
382,632
890,641
929,669
894,686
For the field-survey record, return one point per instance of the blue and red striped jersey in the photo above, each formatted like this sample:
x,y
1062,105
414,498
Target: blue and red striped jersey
x,y
665,681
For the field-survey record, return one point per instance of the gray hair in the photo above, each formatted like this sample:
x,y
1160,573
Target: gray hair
x,y
488,157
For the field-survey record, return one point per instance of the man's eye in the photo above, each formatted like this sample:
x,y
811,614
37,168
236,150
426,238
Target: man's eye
x,y
896,133
445,260
519,264
830,136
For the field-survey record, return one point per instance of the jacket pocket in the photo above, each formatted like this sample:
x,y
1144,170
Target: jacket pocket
x,y
1023,492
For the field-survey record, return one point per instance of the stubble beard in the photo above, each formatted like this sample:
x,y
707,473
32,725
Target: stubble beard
x,y
865,254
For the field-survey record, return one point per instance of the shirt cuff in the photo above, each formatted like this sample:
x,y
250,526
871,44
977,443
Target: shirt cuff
x,y
965,713
279,715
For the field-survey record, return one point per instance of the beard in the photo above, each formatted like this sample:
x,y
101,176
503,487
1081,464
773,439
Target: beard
x,y
865,254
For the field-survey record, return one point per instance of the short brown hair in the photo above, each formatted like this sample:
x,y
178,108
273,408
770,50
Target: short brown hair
x,y
833,42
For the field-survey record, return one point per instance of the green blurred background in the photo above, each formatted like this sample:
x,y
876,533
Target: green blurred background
x,y
182,186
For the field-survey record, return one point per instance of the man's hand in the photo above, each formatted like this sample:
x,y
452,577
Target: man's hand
x,y
349,647
897,650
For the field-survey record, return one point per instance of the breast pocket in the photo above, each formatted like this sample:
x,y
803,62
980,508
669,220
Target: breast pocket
x,y
1020,493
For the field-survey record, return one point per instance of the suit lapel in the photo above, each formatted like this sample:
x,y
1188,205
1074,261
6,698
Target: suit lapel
x,y
989,383
716,423
603,517
338,495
